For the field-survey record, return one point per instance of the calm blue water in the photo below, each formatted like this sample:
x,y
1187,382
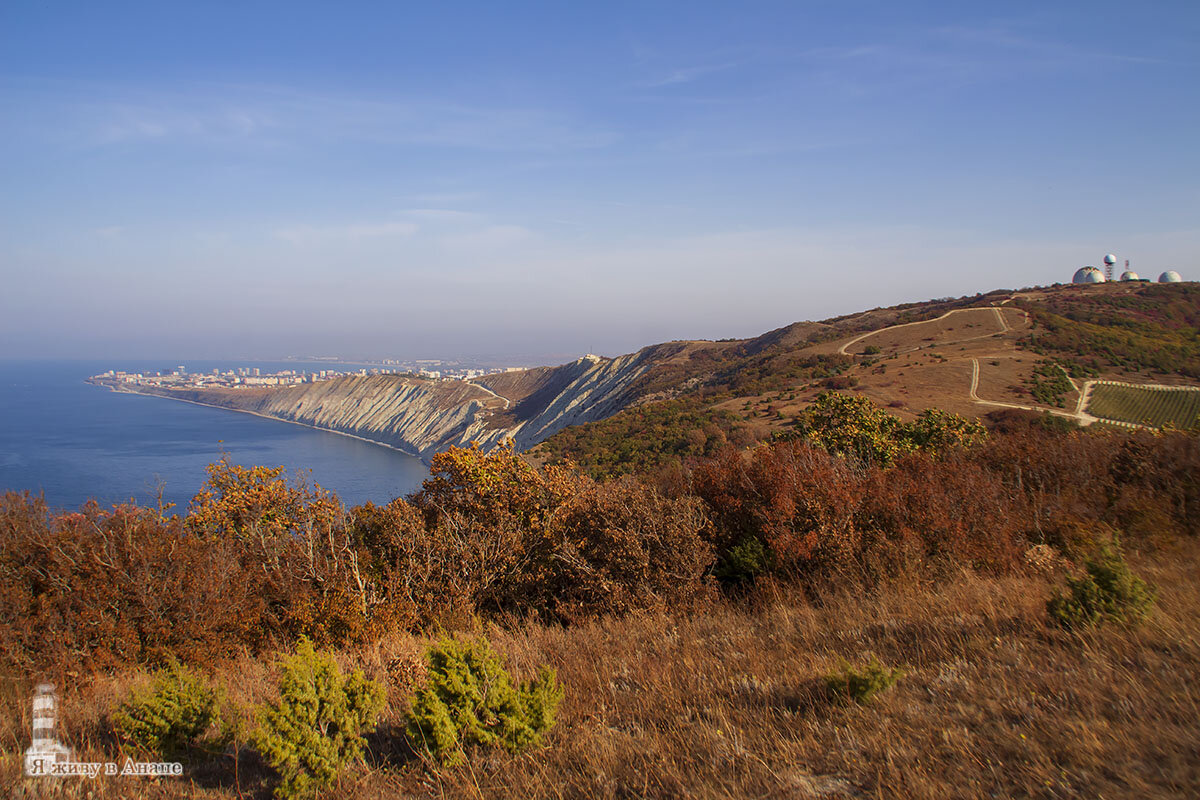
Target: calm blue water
x,y
74,441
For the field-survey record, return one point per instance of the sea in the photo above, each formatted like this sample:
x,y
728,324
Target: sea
x,y
71,442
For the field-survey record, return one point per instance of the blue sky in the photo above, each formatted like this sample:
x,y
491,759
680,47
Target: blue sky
x,y
538,180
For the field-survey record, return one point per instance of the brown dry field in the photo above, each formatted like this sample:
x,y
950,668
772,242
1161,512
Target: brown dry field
x,y
959,326
999,372
928,365
727,702
923,384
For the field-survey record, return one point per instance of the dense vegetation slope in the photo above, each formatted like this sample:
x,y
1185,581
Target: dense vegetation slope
x,y
691,622
748,391
1155,330
713,610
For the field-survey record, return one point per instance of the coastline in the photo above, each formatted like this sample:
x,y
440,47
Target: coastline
x,y
403,450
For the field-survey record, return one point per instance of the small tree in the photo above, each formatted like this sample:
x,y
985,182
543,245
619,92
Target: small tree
x,y
1108,590
171,715
853,426
860,685
316,728
935,431
469,698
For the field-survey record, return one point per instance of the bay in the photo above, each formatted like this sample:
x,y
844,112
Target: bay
x,y
73,441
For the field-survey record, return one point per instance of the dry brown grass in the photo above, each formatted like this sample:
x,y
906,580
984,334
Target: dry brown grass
x,y
995,702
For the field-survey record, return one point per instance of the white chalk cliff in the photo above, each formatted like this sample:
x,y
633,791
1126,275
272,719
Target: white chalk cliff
x,y
423,417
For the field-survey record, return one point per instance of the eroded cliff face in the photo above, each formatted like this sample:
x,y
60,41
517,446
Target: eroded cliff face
x,y
601,389
419,416
424,417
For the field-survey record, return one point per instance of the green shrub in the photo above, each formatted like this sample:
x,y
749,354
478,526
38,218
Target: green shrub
x,y
745,561
316,727
469,698
860,685
1107,590
169,715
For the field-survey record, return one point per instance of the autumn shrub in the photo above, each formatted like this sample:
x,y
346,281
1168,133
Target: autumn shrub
x,y
615,547
170,715
315,728
406,585
937,432
798,510
1056,481
100,588
295,549
798,500
861,684
852,426
855,427
468,699
449,566
1012,420
1108,590
258,504
925,510
1155,484
489,488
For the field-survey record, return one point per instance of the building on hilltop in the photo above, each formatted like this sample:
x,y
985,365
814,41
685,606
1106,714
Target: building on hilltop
x,y
1088,275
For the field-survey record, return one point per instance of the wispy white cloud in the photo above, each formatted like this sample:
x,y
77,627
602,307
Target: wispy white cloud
x,y
309,234
687,74
443,199
281,116
1003,37
443,215
489,239
429,230
123,121
952,55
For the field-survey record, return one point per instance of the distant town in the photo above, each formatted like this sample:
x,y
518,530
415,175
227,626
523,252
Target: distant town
x,y
246,377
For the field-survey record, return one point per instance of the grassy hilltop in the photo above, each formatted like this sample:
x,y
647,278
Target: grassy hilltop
x,y
1031,349
839,560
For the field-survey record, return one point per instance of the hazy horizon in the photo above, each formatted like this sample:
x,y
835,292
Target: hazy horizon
x,y
533,182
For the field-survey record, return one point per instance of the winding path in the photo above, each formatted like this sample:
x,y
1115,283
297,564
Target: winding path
x,y
489,391
1004,327
1078,414
1084,391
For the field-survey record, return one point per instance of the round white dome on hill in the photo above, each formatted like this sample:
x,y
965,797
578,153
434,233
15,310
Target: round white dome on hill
x,y
1110,259
1170,276
1129,275
1088,275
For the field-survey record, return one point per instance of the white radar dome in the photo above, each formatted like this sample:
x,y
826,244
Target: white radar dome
x,y
1110,259
1170,276
1088,275
1129,275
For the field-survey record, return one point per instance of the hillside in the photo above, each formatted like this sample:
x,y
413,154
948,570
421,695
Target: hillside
x,y
1021,601
701,636
1038,349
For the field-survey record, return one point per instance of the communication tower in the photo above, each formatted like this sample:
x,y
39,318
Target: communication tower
x,y
1109,261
